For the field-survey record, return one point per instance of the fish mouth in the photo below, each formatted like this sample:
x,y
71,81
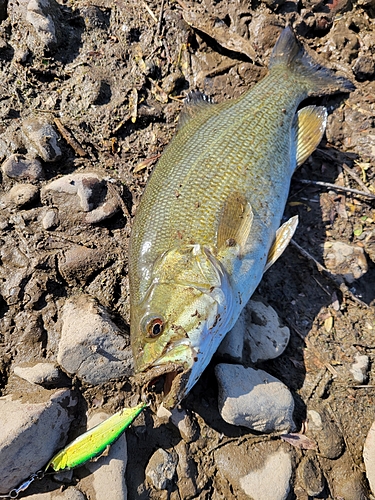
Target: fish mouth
x,y
165,379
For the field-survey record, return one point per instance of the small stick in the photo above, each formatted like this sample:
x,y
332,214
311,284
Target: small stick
x,y
356,178
150,11
160,17
337,188
69,138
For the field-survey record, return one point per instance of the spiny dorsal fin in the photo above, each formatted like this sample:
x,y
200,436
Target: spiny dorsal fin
x,y
235,222
283,236
194,103
309,127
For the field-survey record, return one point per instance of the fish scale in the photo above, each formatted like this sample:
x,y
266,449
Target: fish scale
x,y
208,223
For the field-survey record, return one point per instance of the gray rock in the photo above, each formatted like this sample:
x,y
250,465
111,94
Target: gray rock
x,y
21,195
41,139
78,263
28,440
186,471
70,493
347,260
369,457
91,345
346,481
94,197
161,468
181,419
311,476
254,399
232,345
272,481
264,336
21,168
44,374
326,433
261,472
106,479
364,67
360,367
50,219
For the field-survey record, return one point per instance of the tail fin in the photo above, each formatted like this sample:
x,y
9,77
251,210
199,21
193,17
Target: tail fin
x,y
317,79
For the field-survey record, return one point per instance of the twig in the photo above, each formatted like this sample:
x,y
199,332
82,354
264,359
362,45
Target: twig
x,y
356,178
160,17
337,280
69,138
150,11
337,188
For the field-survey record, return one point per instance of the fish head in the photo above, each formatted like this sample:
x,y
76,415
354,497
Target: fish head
x,y
179,324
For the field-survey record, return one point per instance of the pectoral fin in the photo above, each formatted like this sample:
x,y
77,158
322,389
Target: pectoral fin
x,y
283,236
235,223
309,127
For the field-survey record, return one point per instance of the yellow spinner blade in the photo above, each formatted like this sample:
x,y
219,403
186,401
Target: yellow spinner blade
x,y
93,442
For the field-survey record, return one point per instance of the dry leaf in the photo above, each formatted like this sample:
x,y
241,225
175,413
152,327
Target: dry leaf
x,y
299,441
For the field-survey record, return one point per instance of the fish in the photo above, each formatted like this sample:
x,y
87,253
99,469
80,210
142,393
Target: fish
x,y
208,223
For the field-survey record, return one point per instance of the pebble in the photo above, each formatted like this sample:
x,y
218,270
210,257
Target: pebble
x,y
186,472
44,374
347,260
27,439
326,433
21,195
364,67
161,468
70,493
254,399
262,472
78,263
182,420
23,169
369,457
50,219
346,481
91,346
41,139
311,476
106,479
360,367
264,335
93,195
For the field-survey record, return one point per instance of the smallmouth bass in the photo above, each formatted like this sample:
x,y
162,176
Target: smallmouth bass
x,y
207,226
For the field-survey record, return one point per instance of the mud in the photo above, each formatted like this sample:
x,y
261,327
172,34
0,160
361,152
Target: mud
x,y
97,91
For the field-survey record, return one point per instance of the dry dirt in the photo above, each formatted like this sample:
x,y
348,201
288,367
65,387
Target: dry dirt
x,y
115,77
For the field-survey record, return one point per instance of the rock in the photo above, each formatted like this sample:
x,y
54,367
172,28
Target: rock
x,y
254,399
311,476
326,433
94,197
261,472
21,168
44,374
369,457
364,67
344,259
232,345
182,420
264,336
360,367
186,472
78,263
70,493
91,346
41,20
41,139
106,477
21,195
28,438
161,468
50,219
346,481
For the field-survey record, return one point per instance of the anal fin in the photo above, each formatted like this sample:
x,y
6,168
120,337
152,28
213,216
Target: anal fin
x,y
235,222
309,126
283,236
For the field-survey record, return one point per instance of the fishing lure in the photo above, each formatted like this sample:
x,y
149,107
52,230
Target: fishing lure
x,y
89,445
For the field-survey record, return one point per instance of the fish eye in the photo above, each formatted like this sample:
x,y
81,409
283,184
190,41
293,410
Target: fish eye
x,y
152,326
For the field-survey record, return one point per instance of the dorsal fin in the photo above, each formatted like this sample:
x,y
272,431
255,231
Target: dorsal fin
x,y
194,103
309,127
235,222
